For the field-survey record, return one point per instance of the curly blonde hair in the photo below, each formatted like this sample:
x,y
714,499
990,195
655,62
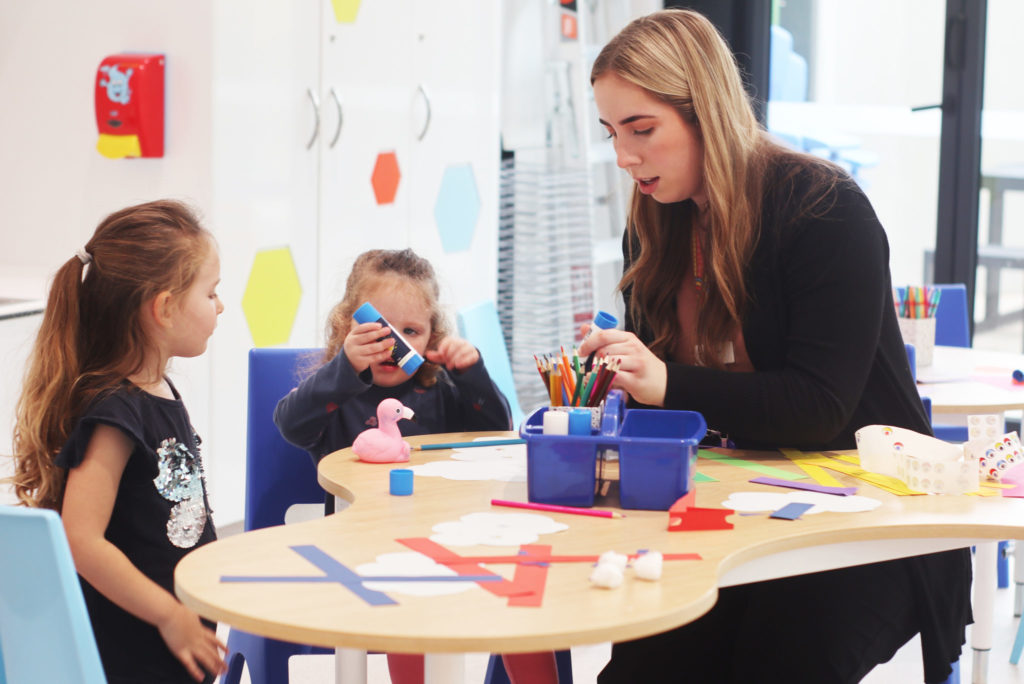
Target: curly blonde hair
x,y
367,273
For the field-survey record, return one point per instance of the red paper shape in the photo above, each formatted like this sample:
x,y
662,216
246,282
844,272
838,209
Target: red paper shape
x,y
684,516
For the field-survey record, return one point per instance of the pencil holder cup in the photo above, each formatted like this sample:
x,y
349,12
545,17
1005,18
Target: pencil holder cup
x,y
919,332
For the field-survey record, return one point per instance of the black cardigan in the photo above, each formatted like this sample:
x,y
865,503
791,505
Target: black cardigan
x,y
820,330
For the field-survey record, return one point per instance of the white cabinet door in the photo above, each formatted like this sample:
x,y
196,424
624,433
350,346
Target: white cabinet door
x,y
456,55
368,65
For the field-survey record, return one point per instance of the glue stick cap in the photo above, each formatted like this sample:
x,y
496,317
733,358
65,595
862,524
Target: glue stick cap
x,y
605,320
366,313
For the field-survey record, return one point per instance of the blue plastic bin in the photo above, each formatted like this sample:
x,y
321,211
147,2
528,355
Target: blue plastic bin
x,y
657,452
657,456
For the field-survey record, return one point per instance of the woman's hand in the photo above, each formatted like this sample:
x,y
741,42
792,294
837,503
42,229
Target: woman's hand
x,y
363,345
642,374
193,643
454,353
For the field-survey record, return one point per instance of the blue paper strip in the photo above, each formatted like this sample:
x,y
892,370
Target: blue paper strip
x,y
792,511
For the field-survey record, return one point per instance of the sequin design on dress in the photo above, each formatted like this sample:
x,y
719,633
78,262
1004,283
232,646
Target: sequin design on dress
x,y
180,480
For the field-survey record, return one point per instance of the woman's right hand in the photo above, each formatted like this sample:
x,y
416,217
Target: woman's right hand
x,y
642,374
193,643
363,345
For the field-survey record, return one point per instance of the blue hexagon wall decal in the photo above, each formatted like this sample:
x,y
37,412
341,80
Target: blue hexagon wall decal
x,y
457,208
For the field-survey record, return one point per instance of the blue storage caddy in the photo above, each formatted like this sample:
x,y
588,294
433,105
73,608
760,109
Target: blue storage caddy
x,y
657,452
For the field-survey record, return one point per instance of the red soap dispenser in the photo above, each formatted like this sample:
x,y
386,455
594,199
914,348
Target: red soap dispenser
x,y
130,105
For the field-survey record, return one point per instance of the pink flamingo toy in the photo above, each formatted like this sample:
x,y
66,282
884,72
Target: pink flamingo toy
x,y
384,444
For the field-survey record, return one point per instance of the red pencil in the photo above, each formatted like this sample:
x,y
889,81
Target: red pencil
x,y
557,509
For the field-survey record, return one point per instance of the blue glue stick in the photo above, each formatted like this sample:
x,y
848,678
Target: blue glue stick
x,y
402,353
602,320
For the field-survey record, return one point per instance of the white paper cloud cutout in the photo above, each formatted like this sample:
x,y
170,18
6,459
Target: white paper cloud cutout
x,y
503,463
495,529
411,564
750,502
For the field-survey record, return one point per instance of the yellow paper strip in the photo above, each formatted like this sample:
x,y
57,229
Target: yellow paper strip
x,y
885,482
817,473
998,485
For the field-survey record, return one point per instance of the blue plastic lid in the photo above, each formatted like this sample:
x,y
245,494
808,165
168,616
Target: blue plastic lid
x,y
605,320
400,482
413,364
366,313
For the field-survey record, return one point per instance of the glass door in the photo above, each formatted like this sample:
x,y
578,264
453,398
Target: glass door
x,y
847,82
999,299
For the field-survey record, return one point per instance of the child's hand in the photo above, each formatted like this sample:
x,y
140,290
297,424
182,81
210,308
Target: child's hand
x,y
193,643
362,348
454,353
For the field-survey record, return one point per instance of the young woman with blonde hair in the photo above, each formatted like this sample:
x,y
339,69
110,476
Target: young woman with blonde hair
x,y
758,293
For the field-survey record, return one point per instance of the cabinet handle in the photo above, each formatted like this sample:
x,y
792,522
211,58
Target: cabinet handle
x,y
426,100
316,114
337,131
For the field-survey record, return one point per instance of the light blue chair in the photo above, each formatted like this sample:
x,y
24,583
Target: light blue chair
x,y
277,476
480,325
45,634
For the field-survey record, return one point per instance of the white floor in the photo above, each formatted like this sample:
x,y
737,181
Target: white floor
x,y
904,668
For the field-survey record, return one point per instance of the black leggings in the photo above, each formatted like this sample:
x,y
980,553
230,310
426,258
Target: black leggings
x,y
829,627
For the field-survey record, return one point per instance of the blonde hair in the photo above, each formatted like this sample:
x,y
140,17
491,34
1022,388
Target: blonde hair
x,y
679,58
92,337
368,271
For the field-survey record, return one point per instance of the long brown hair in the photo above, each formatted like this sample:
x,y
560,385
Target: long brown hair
x,y
679,57
92,337
367,271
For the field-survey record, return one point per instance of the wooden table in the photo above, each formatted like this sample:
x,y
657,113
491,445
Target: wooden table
x,y
572,612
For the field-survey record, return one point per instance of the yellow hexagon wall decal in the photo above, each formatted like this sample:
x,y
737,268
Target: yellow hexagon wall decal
x,y
271,297
345,10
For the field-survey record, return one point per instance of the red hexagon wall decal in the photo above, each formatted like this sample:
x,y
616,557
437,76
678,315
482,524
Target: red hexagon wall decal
x,y
385,177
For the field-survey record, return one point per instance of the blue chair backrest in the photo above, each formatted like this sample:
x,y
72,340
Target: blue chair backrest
x,y
952,326
480,325
277,473
45,634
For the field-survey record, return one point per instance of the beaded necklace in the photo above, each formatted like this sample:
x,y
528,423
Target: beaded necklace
x,y
698,261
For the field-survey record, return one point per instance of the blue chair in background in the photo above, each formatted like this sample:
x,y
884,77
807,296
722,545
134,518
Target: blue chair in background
x,y
45,634
277,476
480,325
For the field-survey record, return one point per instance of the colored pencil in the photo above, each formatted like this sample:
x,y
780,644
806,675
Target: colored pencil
x,y
557,509
462,445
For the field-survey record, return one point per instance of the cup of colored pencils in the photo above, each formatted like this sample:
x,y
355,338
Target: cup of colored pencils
x,y
916,307
571,383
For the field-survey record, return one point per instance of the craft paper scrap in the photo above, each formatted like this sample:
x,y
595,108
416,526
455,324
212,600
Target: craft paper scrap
x,y
750,465
923,462
889,484
701,477
817,473
411,564
772,501
506,463
684,516
791,511
495,529
837,491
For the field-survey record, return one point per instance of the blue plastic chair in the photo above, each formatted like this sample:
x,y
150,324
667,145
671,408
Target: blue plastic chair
x,y
278,475
45,634
480,325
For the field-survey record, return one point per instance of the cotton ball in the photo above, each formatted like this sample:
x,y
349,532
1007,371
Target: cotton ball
x,y
648,566
606,576
619,560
